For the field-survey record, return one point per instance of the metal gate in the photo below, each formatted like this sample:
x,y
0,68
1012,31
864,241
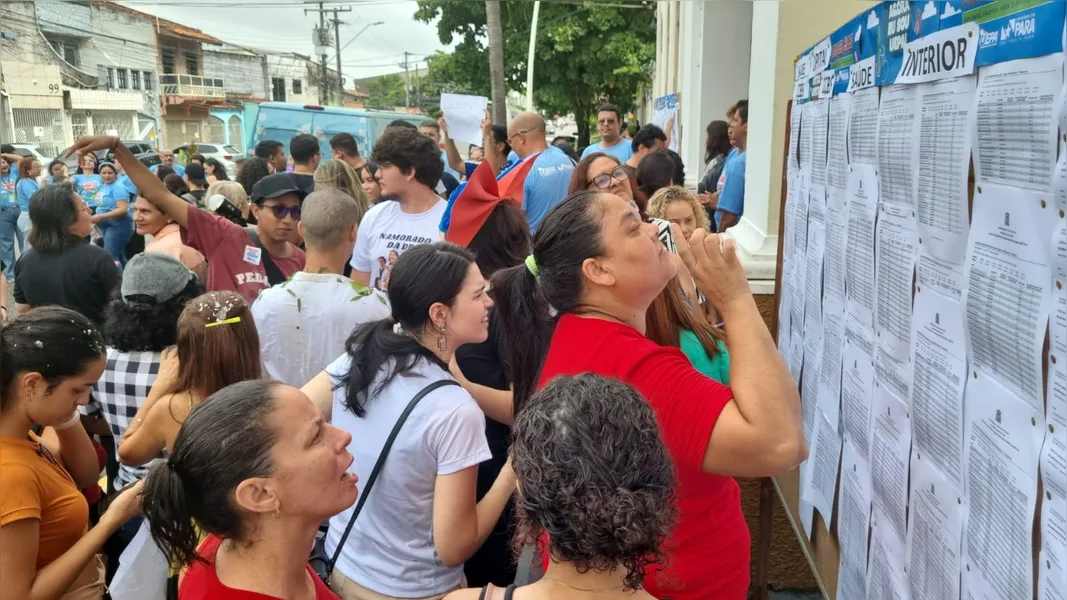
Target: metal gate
x,y
40,126
115,122
214,131
79,125
237,133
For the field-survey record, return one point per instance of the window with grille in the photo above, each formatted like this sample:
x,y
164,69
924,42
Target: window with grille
x,y
168,60
123,82
135,80
148,81
110,78
192,64
298,86
277,85
67,49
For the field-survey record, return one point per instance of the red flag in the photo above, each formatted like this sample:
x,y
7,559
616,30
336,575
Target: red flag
x,y
481,195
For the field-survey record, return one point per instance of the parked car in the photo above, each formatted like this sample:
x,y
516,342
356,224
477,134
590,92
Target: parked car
x,y
223,153
33,150
140,148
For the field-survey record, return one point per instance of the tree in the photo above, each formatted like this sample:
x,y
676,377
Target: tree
x,y
588,52
386,91
496,60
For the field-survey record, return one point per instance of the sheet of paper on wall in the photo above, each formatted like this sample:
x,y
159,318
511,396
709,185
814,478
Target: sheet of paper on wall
x,y
853,521
823,460
806,510
896,242
886,579
464,114
890,454
1008,297
796,353
804,146
1052,581
935,532
816,241
894,374
939,360
857,389
833,341
1059,177
863,127
1003,439
859,261
837,143
860,333
836,246
795,114
898,130
665,116
809,385
820,123
1010,93
939,275
944,166
1054,525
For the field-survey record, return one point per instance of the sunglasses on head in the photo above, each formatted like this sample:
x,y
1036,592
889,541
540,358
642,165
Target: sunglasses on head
x,y
280,210
604,180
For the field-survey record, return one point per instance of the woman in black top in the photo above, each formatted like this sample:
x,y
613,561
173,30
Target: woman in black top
x,y
716,148
61,268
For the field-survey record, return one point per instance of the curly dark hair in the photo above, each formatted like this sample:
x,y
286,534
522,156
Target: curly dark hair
x,y
601,508
138,324
408,150
251,172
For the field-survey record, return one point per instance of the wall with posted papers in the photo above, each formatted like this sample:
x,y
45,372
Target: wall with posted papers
x,y
922,304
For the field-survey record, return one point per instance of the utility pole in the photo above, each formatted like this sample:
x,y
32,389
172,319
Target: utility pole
x,y
337,47
418,88
321,39
407,82
530,57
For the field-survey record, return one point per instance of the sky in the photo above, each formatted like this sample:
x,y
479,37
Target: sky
x,y
281,25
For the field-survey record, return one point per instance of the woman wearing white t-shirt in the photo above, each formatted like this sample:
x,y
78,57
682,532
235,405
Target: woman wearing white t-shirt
x,y
420,520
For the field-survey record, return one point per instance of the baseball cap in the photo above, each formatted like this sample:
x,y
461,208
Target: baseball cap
x,y
156,275
274,186
195,172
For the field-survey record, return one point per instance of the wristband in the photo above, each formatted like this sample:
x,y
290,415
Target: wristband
x,y
71,423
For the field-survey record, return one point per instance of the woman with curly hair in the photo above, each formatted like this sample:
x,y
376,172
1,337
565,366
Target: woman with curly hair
x,y
606,513
679,206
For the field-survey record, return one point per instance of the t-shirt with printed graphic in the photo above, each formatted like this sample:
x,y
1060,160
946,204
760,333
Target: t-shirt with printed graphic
x,y
386,232
8,184
88,187
234,260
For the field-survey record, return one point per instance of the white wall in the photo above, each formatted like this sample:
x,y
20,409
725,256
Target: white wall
x,y
241,72
289,67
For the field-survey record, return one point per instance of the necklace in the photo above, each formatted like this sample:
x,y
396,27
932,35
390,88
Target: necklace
x,y
578,589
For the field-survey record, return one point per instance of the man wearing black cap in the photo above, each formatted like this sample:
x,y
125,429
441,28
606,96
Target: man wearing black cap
x,y
196,179
246,261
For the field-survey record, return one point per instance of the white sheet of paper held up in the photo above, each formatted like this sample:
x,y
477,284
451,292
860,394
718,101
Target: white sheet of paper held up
x,y
853,520
1007,296
1010,93
1003,440
464,115
944,166
898,130
939,360
935,532
890,454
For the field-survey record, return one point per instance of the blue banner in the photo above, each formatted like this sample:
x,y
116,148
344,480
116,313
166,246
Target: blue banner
x,y
847,44
1011,29
899,22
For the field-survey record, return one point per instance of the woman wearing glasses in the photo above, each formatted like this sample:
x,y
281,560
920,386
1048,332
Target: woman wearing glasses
x,y
246,261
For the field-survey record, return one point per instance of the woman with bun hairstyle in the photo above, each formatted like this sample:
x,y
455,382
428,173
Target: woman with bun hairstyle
x,y
50,357
606,512
579,304
257,469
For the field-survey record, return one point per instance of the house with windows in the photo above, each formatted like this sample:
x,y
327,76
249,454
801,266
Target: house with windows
x,y
298,79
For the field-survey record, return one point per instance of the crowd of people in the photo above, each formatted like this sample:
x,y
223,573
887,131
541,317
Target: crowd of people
x,y
369,378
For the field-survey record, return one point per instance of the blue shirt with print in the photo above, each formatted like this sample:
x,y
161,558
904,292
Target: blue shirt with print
x,y
24,191
732,193
546,184
622,150
88,187
111,194
8,185
178,169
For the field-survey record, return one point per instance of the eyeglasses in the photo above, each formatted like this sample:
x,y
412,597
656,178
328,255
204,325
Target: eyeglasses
x,y
604,180
280,210
606,122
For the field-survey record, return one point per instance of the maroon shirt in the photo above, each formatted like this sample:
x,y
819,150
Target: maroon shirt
x,y
234,261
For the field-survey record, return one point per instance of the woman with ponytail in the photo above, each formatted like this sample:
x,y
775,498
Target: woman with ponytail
x,y
579,305
421,520
257,469
49,359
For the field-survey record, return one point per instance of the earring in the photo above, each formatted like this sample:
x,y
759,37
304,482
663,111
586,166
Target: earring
x,y
442,343
277,512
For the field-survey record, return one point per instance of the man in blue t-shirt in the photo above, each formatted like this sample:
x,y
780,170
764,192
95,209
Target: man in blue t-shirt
x,y
609,124
166,157
547,182
732,181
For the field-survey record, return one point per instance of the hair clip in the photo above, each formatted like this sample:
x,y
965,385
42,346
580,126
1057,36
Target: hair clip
x,y
225,322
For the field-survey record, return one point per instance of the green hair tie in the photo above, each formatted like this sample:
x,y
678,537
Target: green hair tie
x,y
531,265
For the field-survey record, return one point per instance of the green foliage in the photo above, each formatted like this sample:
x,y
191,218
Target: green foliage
x,y
386,91
588,52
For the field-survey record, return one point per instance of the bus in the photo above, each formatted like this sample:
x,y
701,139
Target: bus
x,y
281,121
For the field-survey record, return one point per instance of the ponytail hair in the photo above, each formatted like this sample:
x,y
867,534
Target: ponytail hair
x,y
423,276
193,487
567,236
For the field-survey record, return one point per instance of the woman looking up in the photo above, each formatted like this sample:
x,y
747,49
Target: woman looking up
x,y
606,513
113,216
600,267
87,181
285,471
166,237
49,359
421,520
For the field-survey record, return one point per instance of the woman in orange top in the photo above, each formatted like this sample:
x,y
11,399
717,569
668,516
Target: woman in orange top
x,y
49,358
166,237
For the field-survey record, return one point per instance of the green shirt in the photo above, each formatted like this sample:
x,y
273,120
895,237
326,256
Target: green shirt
x,y
717,368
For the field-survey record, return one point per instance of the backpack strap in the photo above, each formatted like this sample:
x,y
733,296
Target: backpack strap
x,y
274,274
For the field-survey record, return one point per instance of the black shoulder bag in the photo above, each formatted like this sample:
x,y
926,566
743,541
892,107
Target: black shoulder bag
x,y
322,563
274,274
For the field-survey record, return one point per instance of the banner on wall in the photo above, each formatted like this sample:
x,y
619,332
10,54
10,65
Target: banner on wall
x,y
901,22
1010,29
942,55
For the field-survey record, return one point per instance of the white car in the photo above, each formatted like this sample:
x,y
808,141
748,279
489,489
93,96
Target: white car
x,y
34,151
225,154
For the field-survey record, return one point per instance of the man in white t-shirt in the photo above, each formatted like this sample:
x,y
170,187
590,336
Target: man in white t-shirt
x,y
409,167
304,322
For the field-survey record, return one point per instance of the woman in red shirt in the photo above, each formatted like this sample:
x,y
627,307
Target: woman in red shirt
x,y
600,267
257,469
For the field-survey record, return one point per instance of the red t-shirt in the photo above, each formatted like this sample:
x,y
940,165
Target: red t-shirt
x,y
234,261
709,548
201,582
